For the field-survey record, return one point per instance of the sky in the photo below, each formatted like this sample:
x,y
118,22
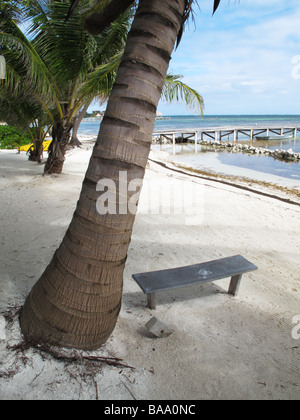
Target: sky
x,y
243,60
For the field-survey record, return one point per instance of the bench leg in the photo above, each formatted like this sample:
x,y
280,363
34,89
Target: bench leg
x,y
151,301
235,285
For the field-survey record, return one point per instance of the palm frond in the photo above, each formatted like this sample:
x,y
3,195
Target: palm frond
x,y
188,11
106,12
175,90
112,39
10,9
61,45
28,108
216,5
72,8
98,83
24,60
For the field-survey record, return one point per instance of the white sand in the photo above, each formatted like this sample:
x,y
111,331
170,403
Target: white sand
x,y
221,348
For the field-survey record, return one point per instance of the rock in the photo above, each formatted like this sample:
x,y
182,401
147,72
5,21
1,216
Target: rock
x,y
158,329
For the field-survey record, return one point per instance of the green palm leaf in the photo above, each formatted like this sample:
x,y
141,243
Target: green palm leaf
x,y
99,82
27,64
175,90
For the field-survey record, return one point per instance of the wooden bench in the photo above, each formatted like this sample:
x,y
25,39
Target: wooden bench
x,y
156,281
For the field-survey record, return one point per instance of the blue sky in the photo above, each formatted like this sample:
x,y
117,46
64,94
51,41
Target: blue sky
x,y
243,60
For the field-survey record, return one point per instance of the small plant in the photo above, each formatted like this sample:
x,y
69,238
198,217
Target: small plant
x,y
12,137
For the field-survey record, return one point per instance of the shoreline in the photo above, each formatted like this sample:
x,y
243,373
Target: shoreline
x,y
214,170
212,167
240,148
280,154
288,195
209,165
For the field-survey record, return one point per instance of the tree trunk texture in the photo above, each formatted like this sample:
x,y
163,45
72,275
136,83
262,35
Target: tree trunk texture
x,y
75,142
77,300
61,133
36,152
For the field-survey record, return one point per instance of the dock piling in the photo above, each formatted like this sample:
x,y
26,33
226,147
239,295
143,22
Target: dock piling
x,y
217,133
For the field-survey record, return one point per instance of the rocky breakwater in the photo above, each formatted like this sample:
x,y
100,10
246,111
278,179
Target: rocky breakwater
x,y
285,155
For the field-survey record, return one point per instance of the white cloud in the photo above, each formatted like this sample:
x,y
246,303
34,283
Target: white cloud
x,y
245,54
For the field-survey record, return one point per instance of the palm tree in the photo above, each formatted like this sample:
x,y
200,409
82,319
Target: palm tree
x,y
77,300
18,104
27,115
69,67
64,65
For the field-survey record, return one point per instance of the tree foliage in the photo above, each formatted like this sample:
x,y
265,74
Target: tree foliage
x,y
12,137
61,67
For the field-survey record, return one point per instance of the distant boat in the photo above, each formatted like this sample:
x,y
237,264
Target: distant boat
x,y
159,116
279,137
262,137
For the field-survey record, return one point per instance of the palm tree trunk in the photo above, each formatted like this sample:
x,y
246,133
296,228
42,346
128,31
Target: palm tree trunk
x,y
75,142
36,152
77,300
61,134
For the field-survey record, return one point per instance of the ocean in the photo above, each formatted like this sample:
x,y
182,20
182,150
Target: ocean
x,y
259,167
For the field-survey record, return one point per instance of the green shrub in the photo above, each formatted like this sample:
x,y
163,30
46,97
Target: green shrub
x,y
12,137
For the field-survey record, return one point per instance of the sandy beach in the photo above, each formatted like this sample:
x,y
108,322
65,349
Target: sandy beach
x,y
222,347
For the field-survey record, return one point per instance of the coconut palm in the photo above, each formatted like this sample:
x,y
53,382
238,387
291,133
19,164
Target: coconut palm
x,y
77,300
27,115
18,105
64,65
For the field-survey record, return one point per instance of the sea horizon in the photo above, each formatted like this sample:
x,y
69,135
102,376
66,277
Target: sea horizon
x,y
179,121
198,122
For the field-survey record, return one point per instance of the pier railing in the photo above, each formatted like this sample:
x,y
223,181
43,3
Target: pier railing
x,y
218,133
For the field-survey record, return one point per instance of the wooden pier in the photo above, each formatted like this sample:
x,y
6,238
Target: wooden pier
x,y
217,134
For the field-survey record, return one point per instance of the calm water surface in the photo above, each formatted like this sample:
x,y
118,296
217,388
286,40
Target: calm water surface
x,y
228,161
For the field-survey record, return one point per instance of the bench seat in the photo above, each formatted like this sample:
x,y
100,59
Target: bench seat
x,y
156,281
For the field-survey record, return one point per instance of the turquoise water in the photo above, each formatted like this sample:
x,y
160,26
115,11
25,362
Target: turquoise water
x,y
193,121
260,167
260,163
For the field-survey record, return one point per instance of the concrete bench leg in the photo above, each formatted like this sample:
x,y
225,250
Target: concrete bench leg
x,y
151,301
235,285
